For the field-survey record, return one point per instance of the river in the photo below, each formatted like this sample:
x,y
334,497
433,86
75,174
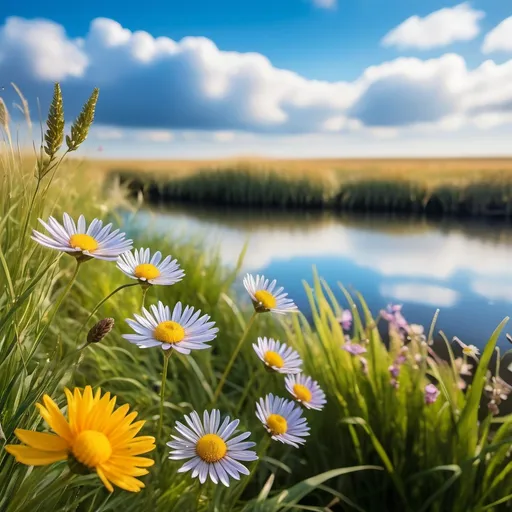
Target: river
x,y
464,268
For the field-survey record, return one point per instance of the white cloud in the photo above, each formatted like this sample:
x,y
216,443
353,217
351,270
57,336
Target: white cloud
x,y
421,293
158,85
497,290
325,4
107,133
384,132
42,48
223,136
499,38
155,135
491,120
440,28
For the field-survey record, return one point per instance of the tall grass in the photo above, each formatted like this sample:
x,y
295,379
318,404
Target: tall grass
x,y
373,447
478,195
238,186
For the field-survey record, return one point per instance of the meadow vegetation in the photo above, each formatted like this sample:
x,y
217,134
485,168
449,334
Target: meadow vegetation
x,y
401,430
437,187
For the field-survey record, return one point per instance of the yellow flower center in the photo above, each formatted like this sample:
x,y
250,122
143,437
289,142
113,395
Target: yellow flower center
x,y
302,393
146,271
169,332
83,242
211,448
266,299
277,424
273,359
91,448
468,350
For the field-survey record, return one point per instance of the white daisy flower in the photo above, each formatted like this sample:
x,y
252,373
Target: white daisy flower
x,y
306,391
266,298
140,265
278,356
84,243
282,419
211,448
183,330
467,350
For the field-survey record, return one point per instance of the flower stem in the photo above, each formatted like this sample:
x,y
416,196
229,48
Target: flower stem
x,y
98,306
60,300
167,355
263,451
232,360
144,292
248,388
25,227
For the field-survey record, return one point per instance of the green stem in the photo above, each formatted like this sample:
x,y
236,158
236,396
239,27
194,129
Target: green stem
x,y
144,292
198,496
232,360
54,168
98,306
25,226
167,355
73,353
248,388
56,308
263,451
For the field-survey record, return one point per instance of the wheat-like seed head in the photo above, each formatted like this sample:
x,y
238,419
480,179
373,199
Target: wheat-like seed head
x,y
83,122
25,110
54,135
4,116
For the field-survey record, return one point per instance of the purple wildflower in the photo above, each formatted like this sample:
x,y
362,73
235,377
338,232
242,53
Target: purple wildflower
x,y
394,370
353,348
401,358
393,314
497,390
346,319
431,394
394,383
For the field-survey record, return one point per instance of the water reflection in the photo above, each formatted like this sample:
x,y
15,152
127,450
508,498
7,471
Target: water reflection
x,y
463,268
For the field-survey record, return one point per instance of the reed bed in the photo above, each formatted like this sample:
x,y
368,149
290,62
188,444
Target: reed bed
x,y
401,428
475,194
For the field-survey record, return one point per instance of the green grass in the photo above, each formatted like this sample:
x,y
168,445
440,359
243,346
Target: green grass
x,y
371,448
479,195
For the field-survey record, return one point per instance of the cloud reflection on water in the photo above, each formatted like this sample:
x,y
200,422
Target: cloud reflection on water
x,y
433,254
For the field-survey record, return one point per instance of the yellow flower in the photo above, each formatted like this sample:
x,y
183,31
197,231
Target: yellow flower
x,y
93,438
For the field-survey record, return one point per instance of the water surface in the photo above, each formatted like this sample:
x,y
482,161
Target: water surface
x,y
463,268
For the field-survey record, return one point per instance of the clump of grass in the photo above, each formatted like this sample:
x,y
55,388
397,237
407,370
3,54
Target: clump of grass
x,y
237,187
381,196
483,195
450,455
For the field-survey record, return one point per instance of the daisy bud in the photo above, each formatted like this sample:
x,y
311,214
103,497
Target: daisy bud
x,y
100,330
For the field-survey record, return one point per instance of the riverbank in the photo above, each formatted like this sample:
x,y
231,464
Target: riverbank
x,y
447,187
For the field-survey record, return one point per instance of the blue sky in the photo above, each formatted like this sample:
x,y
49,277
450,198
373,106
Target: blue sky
x,y
196,98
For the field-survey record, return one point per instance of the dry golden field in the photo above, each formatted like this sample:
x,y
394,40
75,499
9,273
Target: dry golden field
x,y
446,186
434,170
